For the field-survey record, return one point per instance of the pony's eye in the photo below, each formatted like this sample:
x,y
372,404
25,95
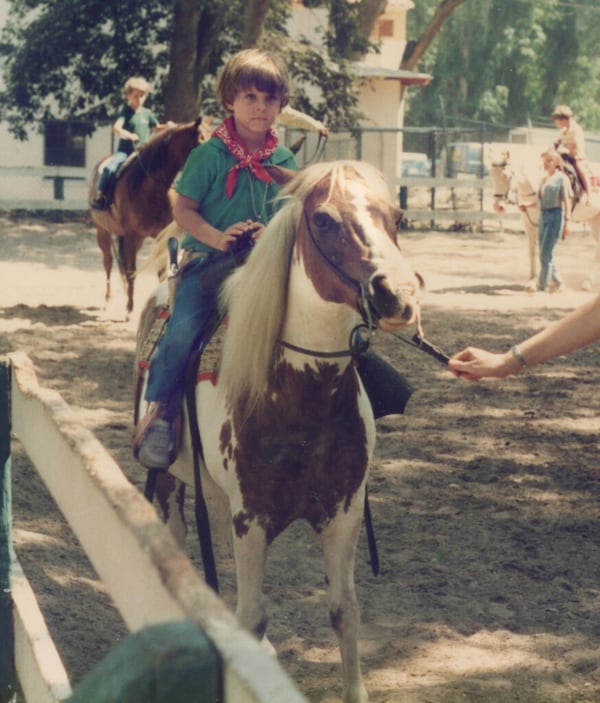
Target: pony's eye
x,y
323,221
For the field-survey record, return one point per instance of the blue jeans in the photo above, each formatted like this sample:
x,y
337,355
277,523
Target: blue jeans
x,y
111,168
194,311
549,231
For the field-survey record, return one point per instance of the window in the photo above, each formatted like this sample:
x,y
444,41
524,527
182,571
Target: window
x,y
64,143
385,28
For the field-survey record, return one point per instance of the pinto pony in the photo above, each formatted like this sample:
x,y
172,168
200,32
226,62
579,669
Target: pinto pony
x,y
520,174
143,199
286,427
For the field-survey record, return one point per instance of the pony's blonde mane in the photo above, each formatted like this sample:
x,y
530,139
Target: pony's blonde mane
x,y
255,296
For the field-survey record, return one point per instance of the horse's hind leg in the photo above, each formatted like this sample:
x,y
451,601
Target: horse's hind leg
x,y
532,249
339,540
104,239
592,276
128,247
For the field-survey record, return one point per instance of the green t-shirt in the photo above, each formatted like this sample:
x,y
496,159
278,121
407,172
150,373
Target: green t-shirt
x,y
203,180
141,122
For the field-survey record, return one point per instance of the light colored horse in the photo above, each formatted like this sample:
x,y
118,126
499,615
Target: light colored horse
x,y
516,173
287,429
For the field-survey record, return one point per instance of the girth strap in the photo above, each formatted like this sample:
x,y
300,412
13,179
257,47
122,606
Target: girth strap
x,y
200,507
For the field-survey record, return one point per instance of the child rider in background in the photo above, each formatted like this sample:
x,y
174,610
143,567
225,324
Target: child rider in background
x,y
223,192
134,125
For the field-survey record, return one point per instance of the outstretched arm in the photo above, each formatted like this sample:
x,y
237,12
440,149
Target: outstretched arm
x,y
577,329
299,120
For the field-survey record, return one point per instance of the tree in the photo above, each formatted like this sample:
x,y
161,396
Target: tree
x,y
507,61
68,59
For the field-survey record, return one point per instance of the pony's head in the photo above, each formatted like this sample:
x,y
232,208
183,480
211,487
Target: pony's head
x,y
347,241
165,154
501,174
338,232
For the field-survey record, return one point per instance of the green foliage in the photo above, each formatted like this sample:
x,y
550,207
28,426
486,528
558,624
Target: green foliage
x,y
337,106
68,59
507,61
57,61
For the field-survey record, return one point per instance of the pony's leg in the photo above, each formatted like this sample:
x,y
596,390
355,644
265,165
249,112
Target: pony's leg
x,y
532,250
170,496
128,248
104,239
591,278
250,552
339,540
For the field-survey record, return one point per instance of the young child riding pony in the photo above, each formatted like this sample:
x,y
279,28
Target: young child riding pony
x,y
134,125
224,192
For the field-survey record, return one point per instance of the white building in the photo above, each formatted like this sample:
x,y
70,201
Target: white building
x,y
52,168
382,82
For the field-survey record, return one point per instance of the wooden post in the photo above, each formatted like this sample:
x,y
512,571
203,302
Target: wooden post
x,y
7,630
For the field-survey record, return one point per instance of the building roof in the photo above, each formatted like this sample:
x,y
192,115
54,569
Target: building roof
x,y
406,77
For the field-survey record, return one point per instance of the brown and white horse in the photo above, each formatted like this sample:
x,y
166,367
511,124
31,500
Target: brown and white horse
x,y
287,429
519,173
143,198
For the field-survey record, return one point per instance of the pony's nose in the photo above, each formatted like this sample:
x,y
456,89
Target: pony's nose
x,y
389,302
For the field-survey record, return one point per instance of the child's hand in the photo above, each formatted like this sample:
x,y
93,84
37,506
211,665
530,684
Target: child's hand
x,y
237,229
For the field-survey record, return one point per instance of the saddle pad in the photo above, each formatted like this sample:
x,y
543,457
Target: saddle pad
x,y
211,355
161,316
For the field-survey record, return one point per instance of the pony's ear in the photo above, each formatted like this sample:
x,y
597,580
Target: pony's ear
x,y
279,174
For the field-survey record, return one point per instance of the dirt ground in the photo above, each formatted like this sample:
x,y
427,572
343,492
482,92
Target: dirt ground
x,y
484,496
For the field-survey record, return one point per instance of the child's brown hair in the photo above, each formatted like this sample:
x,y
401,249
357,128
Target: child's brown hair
x,y
252,68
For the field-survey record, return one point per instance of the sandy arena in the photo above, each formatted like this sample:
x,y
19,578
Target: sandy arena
x,y
485,497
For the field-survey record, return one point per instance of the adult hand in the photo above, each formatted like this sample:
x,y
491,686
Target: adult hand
x,y
473,363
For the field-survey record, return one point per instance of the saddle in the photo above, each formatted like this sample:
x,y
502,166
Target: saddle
x,y
571,172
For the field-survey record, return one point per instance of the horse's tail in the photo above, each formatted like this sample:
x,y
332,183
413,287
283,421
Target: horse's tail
x,y
158,258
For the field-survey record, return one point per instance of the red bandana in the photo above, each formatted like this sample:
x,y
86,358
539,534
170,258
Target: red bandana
x,y
227,134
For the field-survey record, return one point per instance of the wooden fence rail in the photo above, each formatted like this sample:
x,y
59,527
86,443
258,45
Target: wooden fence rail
x,y
435,214
149,578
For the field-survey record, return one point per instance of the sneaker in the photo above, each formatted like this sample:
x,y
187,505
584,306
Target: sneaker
x,y
99,204
154,448
152,442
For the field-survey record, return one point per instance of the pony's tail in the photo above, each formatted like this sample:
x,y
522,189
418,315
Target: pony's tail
x,y
158,258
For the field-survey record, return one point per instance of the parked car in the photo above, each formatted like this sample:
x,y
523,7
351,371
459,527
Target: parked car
x,y
464,158
415,164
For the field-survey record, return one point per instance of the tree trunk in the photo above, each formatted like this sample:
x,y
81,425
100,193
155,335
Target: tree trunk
x,y
415,50
196,27
254,19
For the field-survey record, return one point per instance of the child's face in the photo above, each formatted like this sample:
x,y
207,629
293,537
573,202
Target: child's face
x,y
136,98
254,111
561,122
